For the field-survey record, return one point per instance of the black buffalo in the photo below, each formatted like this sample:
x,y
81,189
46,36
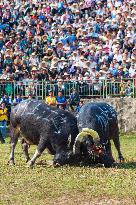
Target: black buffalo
x,y
98,124
44,126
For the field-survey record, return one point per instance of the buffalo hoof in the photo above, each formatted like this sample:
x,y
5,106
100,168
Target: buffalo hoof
x,y
27,160
107,161
11,162
115,165
30,164
56,165
121,159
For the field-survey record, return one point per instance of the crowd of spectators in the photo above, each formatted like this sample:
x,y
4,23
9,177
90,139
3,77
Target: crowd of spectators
x,y
67,39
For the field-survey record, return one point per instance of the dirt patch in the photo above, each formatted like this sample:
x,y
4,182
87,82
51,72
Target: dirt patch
x,y
106,201
98,201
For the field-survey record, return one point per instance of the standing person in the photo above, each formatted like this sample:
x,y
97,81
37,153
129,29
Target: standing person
x,y
3,119
74,99
7,100
61,100
30,97
51,100
81,103
17,100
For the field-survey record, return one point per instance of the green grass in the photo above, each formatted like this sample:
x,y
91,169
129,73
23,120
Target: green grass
x,y
44,184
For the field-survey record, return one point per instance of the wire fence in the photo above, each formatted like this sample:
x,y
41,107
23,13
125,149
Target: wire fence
x,y
86,89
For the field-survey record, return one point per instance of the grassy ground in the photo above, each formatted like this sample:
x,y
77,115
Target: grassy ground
x,y
68,185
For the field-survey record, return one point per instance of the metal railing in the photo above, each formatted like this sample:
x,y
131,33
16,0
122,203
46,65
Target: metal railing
x,y
86,89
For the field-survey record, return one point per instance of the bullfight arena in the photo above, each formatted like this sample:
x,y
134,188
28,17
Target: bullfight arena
x,y
61,159
67,102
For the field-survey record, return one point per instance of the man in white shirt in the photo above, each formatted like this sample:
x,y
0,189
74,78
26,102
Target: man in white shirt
x,y
117,3
4,75
132,71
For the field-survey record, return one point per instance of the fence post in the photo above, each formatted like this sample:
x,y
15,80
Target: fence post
x,y
45,86
14,89
42,89
133,88
103,89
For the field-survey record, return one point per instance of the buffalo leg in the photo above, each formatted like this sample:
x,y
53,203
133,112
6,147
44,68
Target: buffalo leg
x,y
74,134
25,147
14,140
117,145
40,148
108,149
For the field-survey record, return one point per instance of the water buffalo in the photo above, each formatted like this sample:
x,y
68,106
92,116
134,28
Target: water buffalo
x,y
44,126
98,124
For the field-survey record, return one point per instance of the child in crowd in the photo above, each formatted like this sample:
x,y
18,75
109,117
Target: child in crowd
x,y
81,103
3,120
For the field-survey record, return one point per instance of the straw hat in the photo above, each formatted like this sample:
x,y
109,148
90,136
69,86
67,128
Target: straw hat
x,y
34,68
77,11
66,74
104,67
59,43
55,59
63,59
45,58
87,74
133,59
17,71
82,58
74,5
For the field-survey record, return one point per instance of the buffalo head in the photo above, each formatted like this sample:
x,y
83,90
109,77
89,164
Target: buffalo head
x,y
88,147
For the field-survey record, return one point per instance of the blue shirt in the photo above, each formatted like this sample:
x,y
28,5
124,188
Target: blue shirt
x,y
114,71
18,100
61,99
60,5
71,38
75,97
6,100
78,108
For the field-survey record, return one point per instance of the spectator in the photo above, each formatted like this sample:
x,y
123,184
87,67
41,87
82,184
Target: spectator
x,y
51,100
61,107
6,99
74,99
17,100
61,101
3,119
60,86
128,89
8,102
30,97
81,103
